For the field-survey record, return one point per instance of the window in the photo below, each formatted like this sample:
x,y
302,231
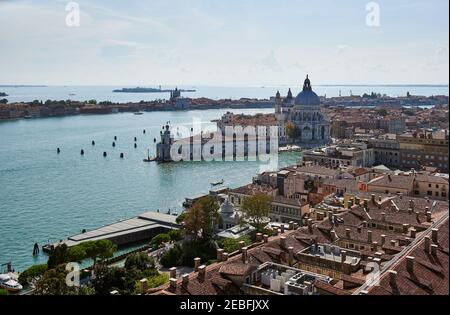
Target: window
x,y
391,228
437,194
444,194
429,193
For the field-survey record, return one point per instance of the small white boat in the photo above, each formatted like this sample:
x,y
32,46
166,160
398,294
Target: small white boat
x,y
6,282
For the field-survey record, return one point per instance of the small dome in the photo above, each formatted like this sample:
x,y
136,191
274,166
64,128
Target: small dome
x,y
307,96
226,207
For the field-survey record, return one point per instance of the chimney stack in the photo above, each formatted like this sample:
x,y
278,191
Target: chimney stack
x,y
173,272
291,225
375,246
224,256
393,243
434,235
409,263
369,237
219,254
427,209
266,238
392,277
291,255
282,228
310,229
185,279
413,233
383,239
347,233
411,204
410,210
366,204
427,244
244,254
373,198
405,228
357,201
429,216
202,272
283,242
143,285
196,263
383,216
434,249
241,245
173,283
259,237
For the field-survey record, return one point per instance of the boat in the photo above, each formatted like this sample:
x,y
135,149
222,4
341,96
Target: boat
x,y
149,159
6,282
139,113
217,183
28,117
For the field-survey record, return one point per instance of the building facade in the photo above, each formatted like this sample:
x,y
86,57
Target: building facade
x,y
304,115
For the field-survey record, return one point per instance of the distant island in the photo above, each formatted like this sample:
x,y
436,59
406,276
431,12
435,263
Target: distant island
x,y
146,90
3,94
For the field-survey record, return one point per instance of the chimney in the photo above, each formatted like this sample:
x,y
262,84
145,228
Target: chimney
x,y
357,201
427,244
291,225
413,233
343,256
241,245
219,254
266,238
393,243
173,283
282,228
202,272
185,280
295,226
369,237
383,239
310,229
429,217
427,209
224,256
283,242
373,198
410,210
244,254
383,216
291,255
143,285
392,277
434,235
349,204
258,237
410,263
173,272
375,246
411,204
434,249
347,233
366,204
196,263
405,228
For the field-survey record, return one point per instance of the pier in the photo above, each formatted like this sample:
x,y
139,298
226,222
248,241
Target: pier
x,y
140,228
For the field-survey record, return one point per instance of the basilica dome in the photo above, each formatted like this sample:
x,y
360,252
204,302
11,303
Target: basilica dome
x,y
307,96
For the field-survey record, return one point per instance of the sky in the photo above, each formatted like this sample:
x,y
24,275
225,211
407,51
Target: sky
x,y
224,43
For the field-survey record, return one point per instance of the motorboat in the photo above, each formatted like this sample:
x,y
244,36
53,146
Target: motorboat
x,y
6,282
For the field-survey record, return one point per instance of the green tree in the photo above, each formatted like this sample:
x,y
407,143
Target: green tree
x,y
194,221
181,217
210,209
108,279
176,235
160,239
140,261
3,101
58,256
291,130
381,112
53,282
230,244
99,250
255,211
173,257
32,273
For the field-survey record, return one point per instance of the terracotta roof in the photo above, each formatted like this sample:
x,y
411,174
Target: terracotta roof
x,y
392,181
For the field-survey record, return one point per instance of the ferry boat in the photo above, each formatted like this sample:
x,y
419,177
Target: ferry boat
x,y
6,282
139,113
217,183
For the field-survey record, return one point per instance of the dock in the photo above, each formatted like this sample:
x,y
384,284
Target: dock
x,y
140,228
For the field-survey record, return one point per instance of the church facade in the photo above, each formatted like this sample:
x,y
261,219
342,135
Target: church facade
x,y
300,119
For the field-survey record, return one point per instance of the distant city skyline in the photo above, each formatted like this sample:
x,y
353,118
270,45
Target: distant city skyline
x,y
225,43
